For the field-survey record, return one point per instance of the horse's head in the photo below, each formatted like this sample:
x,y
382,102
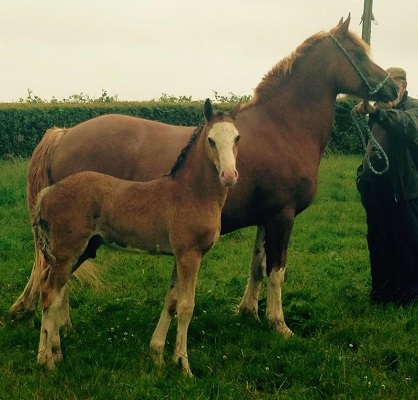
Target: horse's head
x,y
357,74
222,143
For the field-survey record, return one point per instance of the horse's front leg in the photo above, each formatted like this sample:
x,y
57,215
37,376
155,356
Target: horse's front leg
x,y
277,237
249,302
187,270
160,334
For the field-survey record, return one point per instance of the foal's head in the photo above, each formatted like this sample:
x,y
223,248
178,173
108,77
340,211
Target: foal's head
x,y
222,143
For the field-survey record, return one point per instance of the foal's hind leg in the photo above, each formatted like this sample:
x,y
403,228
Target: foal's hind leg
x,y
170,305
249,302
23,310
50,343
53,292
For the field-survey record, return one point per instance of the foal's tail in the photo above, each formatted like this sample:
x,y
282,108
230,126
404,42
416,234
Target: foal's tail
x,y
41,237
88,272
39,165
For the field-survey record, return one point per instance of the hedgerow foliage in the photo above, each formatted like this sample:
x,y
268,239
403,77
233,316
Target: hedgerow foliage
x,y
23,124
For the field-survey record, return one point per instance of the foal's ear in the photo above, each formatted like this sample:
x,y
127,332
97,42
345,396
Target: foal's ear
x,y
208,110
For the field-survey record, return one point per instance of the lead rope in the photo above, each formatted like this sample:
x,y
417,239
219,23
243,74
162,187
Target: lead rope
x,y
377,148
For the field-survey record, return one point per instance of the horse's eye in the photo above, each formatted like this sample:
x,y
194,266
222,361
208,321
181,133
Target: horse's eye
x,y
237,139
211,142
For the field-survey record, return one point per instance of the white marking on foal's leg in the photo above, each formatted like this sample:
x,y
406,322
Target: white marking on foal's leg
x,y
49,343
249,302
160,334
65,321
274,302
187,270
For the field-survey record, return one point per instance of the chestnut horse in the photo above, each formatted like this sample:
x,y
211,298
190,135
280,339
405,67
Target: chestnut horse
x,y
285,129
178,214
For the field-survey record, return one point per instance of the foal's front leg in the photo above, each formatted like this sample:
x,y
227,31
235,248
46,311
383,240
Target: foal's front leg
x,y
160,334
187,270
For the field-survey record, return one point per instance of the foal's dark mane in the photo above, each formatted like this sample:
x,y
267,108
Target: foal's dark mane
x,y
270,80
182,156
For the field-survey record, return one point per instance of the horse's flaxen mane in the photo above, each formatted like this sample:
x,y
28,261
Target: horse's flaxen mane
x,y
269,82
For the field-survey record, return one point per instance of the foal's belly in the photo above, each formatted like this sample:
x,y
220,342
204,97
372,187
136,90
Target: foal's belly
x,y
154,248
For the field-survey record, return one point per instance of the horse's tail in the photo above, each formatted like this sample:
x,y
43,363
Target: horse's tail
x,y
38,180
39,165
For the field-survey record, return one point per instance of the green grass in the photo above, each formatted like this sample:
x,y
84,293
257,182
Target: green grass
x,y
344,348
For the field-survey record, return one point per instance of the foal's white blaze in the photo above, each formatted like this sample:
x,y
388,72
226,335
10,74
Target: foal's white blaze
x,y
225,136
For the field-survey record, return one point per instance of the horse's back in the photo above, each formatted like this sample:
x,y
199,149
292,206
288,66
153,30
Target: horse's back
x,y
114,144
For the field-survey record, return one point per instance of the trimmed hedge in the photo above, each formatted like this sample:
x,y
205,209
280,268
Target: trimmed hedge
x,y
22,125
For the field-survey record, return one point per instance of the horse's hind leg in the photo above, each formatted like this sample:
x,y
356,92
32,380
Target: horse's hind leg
x,y
170,305
23,310
249,302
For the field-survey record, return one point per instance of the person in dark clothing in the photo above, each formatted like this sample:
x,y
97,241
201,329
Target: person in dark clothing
x,y
391,198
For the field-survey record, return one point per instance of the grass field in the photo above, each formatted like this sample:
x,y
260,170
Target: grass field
x,y
344,348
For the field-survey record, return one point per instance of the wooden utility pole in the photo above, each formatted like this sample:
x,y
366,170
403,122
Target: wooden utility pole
x,y
367,19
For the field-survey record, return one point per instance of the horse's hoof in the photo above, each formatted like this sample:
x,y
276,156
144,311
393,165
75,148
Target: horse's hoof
x,y
23,319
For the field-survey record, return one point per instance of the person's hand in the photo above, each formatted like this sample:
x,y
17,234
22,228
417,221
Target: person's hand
x,y
364,108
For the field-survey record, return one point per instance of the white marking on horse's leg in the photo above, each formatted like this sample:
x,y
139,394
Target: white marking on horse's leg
x,y
49,343
160,334
187,278
249,302
274,302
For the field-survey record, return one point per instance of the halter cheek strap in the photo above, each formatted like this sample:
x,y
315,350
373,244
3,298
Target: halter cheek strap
x,y
372,90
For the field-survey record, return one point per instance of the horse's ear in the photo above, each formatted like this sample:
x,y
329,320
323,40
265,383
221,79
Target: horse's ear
x,y
208,110
342,26
234,112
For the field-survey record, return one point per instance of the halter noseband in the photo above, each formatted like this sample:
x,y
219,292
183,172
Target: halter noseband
x,y
372,90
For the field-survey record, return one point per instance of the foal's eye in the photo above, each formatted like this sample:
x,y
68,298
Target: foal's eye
x,y
237,139
211,142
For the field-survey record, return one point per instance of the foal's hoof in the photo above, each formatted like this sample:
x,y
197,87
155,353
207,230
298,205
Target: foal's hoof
x,y
157,354
251,311
183,363
46,361
282,328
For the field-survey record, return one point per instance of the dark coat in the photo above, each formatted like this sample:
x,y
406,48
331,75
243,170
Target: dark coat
x,y
396,130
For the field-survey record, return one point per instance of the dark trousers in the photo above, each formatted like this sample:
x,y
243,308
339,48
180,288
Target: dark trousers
x,y
392,238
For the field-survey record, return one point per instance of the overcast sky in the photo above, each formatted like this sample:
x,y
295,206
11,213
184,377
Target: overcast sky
x,y
140,49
